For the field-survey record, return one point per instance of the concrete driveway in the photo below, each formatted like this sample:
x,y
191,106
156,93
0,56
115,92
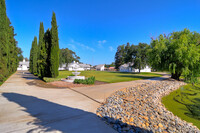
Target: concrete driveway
x,y
25,107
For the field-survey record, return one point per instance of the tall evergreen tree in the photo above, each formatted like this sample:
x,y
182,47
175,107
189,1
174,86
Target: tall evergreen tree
x,y
47,39
42,55
31,59
54,54
34,55
13,50
3,42
8,45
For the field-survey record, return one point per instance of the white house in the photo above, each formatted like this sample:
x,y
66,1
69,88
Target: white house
x,y
127,68
23,65
74,65
85,66
62,67
100,67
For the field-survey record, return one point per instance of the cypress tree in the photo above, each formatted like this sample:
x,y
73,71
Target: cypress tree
x,y
54,54
42,55
13,50
47,39
8,45
3,42
34,54
31,59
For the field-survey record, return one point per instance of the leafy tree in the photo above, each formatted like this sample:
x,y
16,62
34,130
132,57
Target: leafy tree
x,y
54,54
26,59
110,65
179,53
20,56
42,54
67,56
139,55
127,53
119,56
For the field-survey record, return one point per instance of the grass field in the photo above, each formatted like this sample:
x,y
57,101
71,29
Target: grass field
x,y
185,103
109,77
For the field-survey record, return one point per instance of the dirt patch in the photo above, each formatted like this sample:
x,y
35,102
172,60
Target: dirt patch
x,y
43,84
63,84
60,84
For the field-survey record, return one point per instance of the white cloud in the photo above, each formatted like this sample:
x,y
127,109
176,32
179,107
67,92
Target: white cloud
x,y
111,48
81,45
86,47
72,46
100,43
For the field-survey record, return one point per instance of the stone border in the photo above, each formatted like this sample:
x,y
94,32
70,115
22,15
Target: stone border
x,y
139,109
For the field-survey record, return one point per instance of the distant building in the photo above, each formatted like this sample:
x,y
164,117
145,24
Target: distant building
x,y
74,65
62,67
111,68
23,65
100,67
128,68
85,66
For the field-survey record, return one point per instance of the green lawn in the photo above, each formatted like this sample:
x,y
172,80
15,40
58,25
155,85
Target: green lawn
x,y
109,77
185,103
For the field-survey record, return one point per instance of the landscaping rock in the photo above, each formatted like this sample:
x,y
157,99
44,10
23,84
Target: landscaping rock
x,y
139,109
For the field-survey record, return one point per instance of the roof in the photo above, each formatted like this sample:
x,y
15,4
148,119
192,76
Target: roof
x,y
127,65
84,65
99,66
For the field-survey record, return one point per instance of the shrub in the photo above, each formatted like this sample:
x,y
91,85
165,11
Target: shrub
x,y
35,74
89,81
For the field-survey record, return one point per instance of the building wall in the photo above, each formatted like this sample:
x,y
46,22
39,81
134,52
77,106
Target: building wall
x,y
71,69
128,69
23,67
100,69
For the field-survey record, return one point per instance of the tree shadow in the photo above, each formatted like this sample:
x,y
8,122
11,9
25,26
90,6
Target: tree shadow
x,y
192,104
52,116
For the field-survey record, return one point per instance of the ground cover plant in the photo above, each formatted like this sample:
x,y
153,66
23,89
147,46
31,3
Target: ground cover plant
x,y
185,103
88,81
104,76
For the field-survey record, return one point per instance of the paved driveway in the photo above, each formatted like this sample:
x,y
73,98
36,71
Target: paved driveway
x,y
29,108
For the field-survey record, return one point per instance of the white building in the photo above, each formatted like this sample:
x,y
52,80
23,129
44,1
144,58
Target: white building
x,y
74,65
23,65
100,67
127,68
62,67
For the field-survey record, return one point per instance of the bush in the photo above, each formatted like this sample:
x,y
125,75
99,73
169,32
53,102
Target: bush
x,y
35,74
88,81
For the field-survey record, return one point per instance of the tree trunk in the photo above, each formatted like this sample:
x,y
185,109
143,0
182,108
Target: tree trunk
x,y
176,75
139,70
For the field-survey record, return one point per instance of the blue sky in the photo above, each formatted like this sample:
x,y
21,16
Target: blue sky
x,y
94,28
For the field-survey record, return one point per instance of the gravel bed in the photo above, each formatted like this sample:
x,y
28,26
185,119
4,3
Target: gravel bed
x,y
139,109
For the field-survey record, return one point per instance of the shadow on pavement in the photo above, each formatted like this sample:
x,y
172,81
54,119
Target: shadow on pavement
x,y
52,116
